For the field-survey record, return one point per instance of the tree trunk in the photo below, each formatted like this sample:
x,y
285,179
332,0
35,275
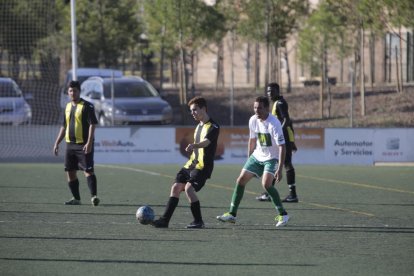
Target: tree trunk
x,y
362,72
257,67
248,66
322,89
372,59
401,62
193,73
326,81
397,71
289,81
219,69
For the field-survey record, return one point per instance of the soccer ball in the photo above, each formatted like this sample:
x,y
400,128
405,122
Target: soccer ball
x,y
145,214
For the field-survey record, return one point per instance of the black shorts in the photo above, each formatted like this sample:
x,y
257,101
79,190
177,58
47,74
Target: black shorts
x,y
196,177
76,159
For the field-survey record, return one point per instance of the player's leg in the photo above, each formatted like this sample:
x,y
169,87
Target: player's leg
x,y
179,186
290,175
267,183
273,193
73,184
251,168
196,182
71,166
86,163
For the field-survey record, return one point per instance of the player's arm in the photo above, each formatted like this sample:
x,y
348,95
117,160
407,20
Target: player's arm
x,y
212,135
59,139
282,153
284,114
89,144
291,138
201,144
251,146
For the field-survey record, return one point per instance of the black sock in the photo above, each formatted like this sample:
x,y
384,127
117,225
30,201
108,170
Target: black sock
x,y
170,208
196,211
290,179
74,188
292,190
92,184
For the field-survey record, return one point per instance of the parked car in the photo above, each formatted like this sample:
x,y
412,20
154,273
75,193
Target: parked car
x,y
126,100
14,110
82,75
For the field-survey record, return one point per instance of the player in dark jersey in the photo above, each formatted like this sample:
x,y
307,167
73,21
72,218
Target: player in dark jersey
x,y
194,174
281,111
78,129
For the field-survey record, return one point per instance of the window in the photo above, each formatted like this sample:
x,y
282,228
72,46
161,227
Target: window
x,y
130,90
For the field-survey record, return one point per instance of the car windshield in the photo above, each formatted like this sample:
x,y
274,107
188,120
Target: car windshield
x,y
130,90
7,90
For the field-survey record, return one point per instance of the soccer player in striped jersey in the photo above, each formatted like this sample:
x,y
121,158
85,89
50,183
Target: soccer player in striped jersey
x,y
78,129
194,174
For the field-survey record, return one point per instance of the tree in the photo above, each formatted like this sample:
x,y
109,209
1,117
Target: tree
x,y
23,25
360,16
180,28
316,39
399,14
345,22
270,22
106,29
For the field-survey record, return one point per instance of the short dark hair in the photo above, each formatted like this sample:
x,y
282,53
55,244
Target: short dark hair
x,y
199,101
274,89
74,84
273,85
264,100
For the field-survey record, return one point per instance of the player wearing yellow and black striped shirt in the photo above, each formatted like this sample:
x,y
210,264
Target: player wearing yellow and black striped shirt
x,y
281,111
194,174
78,129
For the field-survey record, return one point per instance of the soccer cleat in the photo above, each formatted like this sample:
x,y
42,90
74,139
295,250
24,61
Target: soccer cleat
x,y
264,197
95,201
291,199
227,217
281,220
160,223
73,201
195,225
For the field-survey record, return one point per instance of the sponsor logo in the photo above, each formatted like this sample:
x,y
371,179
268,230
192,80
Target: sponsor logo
x,y
393,144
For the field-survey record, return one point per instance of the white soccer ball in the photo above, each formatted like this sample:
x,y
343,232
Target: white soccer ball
x,y
145,214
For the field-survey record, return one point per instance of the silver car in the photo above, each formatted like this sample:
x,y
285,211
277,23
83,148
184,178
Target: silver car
x,y
125,101
14,110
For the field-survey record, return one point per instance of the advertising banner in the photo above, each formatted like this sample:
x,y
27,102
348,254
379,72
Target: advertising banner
x,y
135,145
394,145
232,144
310,143
349,146
167,145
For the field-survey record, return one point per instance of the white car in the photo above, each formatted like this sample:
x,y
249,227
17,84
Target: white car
x,y
14,110
82,75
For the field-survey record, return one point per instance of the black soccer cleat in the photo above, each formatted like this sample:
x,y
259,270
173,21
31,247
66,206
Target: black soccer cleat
x,y
291,199
95,200
195,225
160,223
73,201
